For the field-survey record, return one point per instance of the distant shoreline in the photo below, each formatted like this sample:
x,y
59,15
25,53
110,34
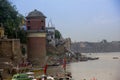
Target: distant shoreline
x,y
104,52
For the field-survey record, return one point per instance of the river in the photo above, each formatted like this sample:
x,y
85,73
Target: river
x,y
105,68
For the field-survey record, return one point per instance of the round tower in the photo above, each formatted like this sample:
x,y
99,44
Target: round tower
x,y
36,38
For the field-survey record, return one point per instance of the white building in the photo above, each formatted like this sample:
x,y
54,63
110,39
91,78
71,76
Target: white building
x,y
50,35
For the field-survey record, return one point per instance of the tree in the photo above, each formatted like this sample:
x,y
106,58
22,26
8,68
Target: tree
x,y
11,20
57,34
22,34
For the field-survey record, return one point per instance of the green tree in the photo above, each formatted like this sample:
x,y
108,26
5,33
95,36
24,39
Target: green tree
x,y
57,34
11,20
22,34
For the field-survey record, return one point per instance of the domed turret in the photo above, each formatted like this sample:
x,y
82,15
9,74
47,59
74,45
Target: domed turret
x,y
36,13
35,21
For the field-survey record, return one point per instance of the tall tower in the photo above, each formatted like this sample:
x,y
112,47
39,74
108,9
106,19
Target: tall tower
x,y
36,43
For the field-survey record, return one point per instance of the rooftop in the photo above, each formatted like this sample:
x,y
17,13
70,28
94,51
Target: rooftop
x,y
36,13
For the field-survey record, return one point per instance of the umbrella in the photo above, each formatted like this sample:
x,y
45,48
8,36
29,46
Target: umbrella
x,y
51,78
30,73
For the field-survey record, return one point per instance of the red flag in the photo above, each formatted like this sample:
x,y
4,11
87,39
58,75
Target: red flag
x,y
45,69
64,63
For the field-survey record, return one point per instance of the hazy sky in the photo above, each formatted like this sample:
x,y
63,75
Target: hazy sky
x,y
81,20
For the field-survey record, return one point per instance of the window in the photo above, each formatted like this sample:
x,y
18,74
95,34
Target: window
x,y
28,27
28,21
42,28
52,37
42,21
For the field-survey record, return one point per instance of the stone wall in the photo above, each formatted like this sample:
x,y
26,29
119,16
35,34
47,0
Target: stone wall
x,y
10,49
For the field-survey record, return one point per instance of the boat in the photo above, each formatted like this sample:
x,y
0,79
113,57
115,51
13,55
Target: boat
x,y
21,76
115,57
93,58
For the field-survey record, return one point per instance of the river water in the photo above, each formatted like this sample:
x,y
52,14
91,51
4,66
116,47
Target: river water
x,y
105,68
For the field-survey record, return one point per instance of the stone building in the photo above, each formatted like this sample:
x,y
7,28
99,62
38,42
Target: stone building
x,y
67,43
36,38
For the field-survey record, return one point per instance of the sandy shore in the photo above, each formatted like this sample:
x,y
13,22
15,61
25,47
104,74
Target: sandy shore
x,y
106,68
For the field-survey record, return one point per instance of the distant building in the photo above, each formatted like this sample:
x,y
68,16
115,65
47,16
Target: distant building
x,y
67,43
36,43
50,35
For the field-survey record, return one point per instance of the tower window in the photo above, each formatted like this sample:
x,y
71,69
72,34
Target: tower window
x,y
42,21
28,27
28,21
43,28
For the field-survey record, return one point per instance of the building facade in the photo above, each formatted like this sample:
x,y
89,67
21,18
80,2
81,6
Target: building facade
x,y
50,35
36,38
